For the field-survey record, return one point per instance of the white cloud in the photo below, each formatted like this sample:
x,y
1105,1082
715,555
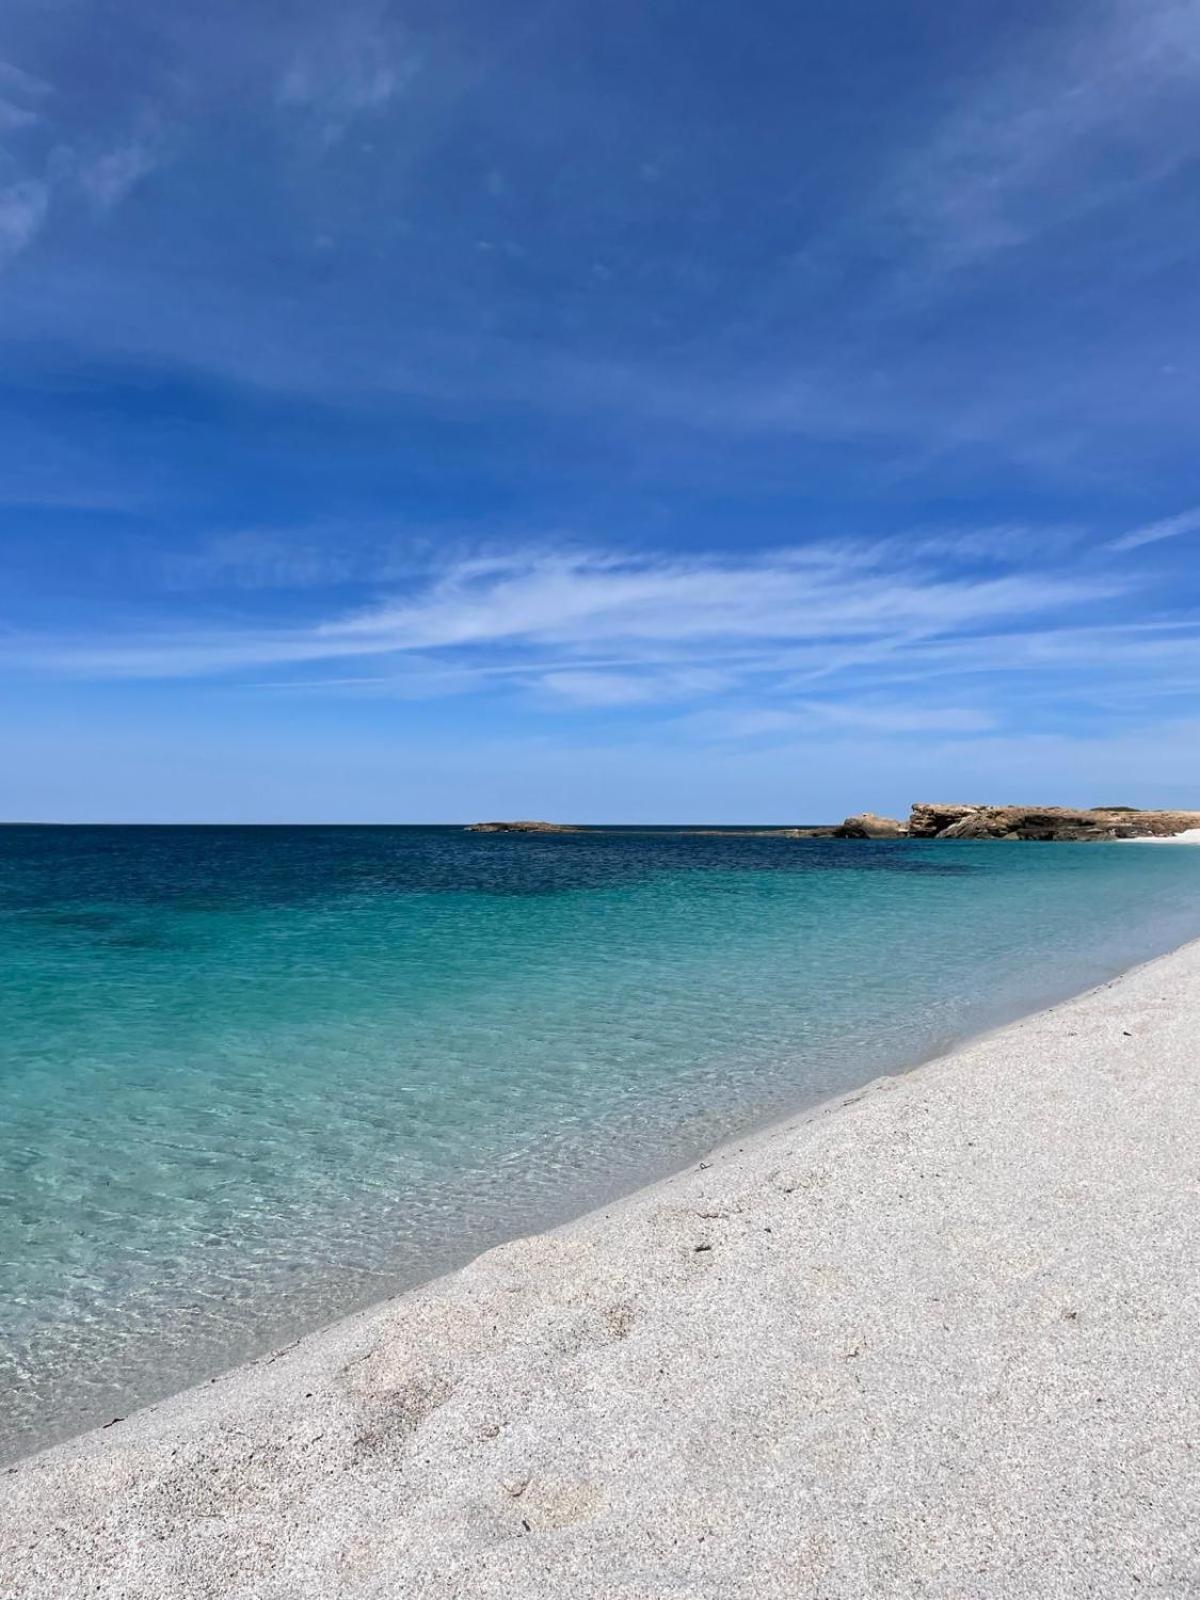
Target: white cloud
x,y
355,68
264,558
14,117
1032,144
612,688
15,80
20,98
600,688
106,179
829,592
1153,532
54,170
345,88
599,629
23,208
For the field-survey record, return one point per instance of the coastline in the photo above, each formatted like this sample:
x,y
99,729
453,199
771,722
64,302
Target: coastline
x,y
713,1012
854,1350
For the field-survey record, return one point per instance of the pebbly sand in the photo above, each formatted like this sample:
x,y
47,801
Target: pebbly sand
x,y
941,1338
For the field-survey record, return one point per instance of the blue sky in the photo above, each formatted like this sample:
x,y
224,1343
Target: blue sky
x,y
666,411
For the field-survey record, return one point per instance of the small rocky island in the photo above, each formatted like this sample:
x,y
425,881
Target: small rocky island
x,y
928,821
524,827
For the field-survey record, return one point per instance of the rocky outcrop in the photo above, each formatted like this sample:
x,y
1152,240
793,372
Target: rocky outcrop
x,y
944,822
868,825
1045,822
523,827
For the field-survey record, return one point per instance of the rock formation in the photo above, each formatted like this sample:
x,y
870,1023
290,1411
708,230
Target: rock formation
x,y
1045,822
867,825
523,827
943,822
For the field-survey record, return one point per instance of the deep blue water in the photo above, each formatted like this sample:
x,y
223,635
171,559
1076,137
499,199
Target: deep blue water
x,y
253,1077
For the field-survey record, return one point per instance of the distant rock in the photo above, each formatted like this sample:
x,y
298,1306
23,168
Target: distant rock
x,y
523,827
867,825
1045,822
812,831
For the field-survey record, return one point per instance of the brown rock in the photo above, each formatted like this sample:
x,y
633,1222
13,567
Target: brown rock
x,y
523,827
867,825
1045,822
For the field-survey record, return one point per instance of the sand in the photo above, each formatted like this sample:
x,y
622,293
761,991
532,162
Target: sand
x,y
941,1338
1188,836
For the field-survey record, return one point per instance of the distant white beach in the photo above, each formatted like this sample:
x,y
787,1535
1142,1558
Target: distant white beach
x,y
936,1338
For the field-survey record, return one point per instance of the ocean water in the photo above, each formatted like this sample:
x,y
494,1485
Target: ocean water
x,y
251,1078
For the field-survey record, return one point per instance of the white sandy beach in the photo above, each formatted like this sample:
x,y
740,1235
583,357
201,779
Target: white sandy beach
x,y
939,1339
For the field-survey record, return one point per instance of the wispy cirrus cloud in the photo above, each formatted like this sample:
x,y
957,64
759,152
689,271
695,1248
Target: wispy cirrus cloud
x,y
13,116
354,66
809,341
1011,159
620,633
108,177
104,180
1088,115
23,208
951,640
45,163
21,97
1154,532
652,684
256,559
826,592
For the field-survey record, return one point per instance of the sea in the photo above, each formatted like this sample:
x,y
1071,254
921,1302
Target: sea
x,y
253,1078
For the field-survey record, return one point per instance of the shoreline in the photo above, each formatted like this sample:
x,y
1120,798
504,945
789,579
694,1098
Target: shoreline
x,y
668,1162
446,1397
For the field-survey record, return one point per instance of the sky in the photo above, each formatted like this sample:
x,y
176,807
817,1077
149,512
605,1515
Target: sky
x,y
666,411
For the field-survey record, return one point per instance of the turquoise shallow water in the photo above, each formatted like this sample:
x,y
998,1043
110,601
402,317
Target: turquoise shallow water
x,y
251,1078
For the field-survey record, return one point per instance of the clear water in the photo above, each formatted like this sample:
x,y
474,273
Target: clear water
x,y
251,1078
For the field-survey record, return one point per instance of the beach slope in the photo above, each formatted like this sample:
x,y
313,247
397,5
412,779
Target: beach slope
x,y
940,1339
